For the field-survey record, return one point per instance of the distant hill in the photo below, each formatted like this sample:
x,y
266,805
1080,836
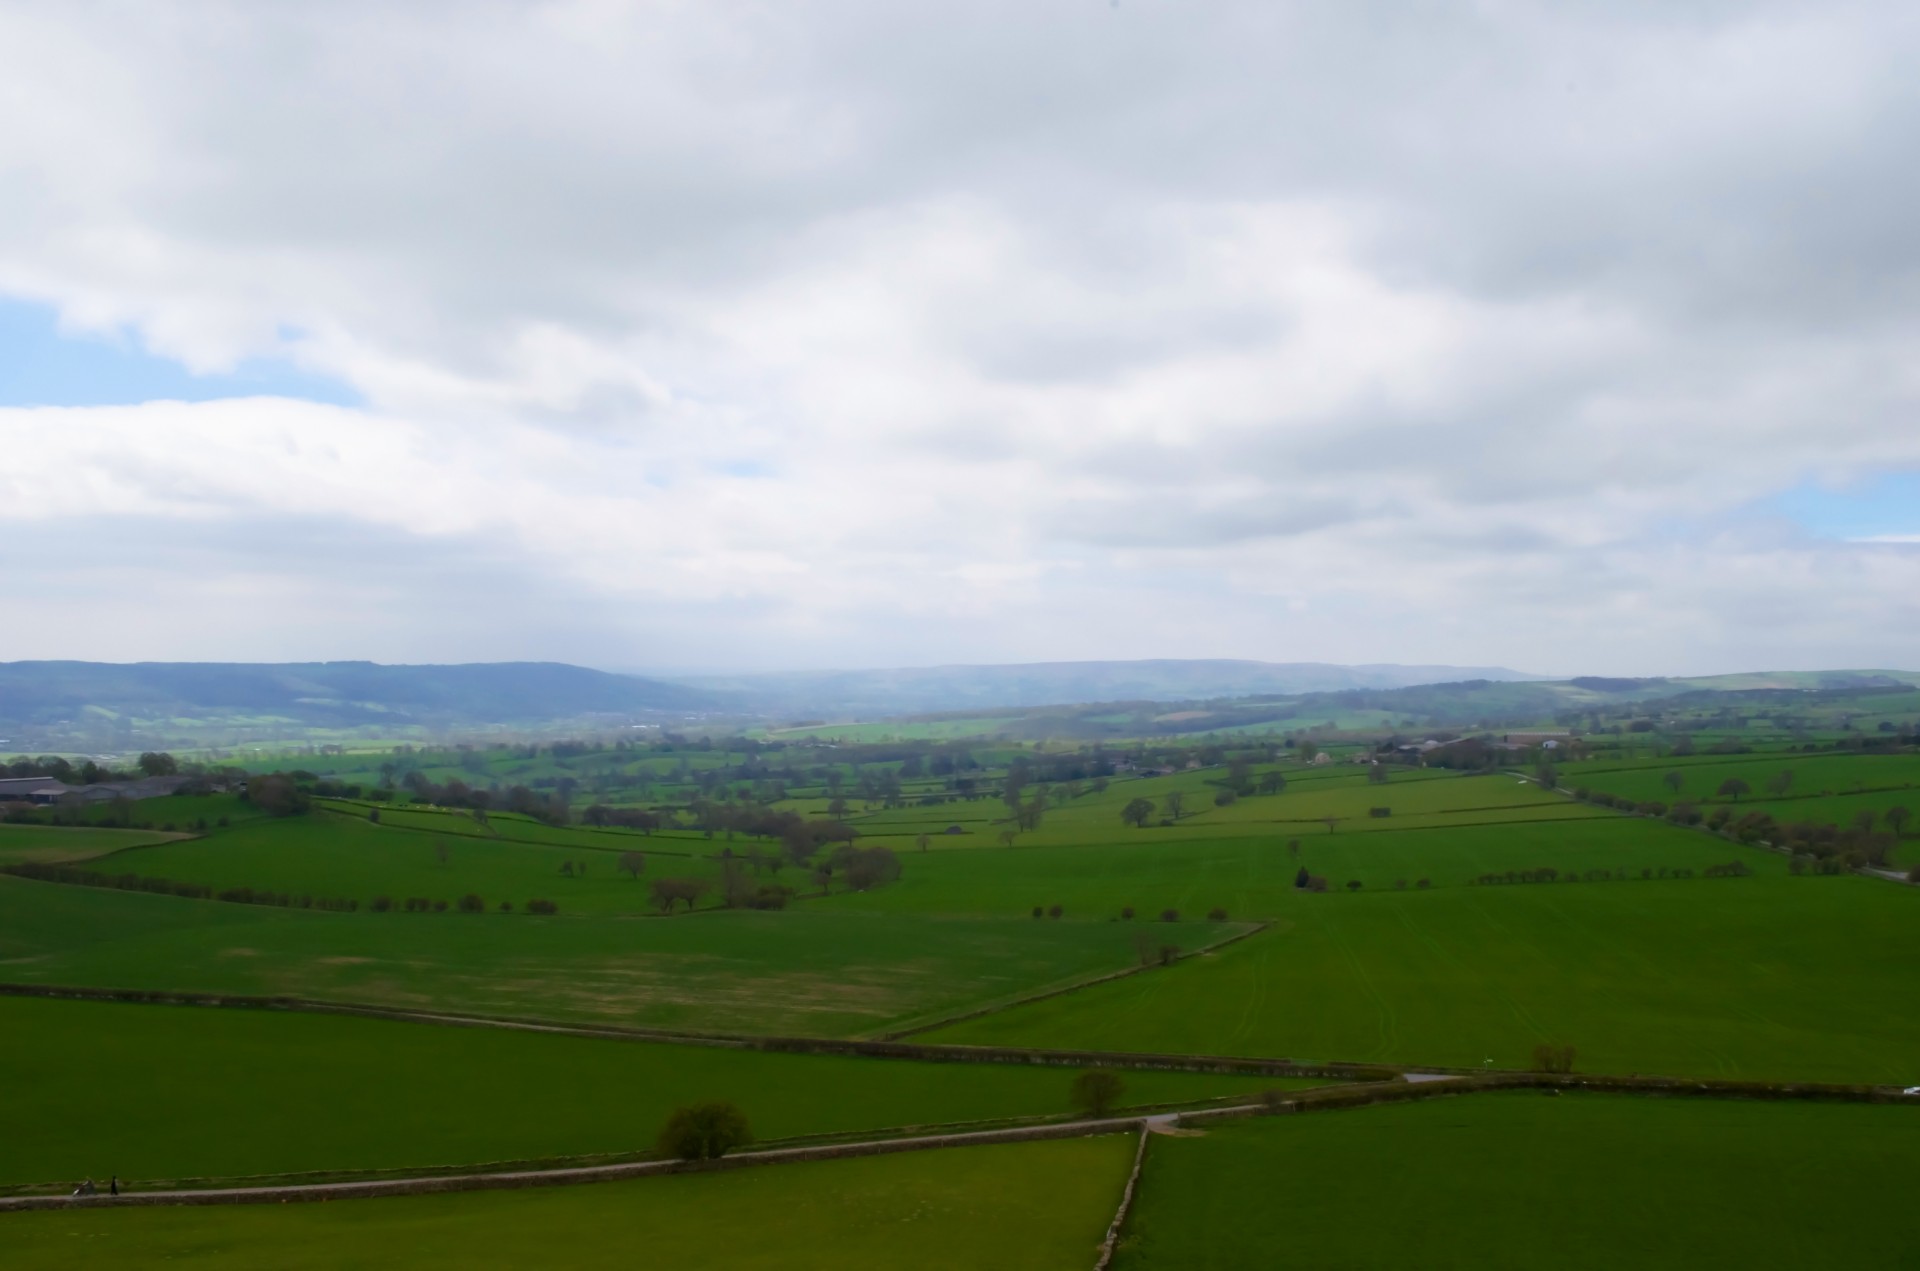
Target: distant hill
x,y
115,705
921,690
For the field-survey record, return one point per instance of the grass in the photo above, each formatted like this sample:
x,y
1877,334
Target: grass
x,y
349,857
1035,1205
1768,976
169,1092
1253,876
818,973
63,843
1523,1181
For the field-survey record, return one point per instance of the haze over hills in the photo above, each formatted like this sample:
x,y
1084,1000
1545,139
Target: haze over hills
x,y
910,690
125,707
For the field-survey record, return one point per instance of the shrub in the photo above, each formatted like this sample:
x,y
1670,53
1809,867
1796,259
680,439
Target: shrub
x,y
1038,912
472,904
770,896
439,906
1424,883
1126,912
1169,954
1379,811
1224,797
506,906
1550,1058
381,904
704,1132
1216,914
1096,1092
373,814
1399,884
542,907
1055,912
1353,884
1169,915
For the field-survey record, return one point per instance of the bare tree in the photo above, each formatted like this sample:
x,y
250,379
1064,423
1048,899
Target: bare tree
x,y
632,863
1675,780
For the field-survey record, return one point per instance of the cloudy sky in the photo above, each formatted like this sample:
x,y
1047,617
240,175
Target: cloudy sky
x,y
1574,337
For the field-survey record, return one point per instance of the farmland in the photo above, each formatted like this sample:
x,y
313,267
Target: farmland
x,y
1248,899
1037,1205
1578,1181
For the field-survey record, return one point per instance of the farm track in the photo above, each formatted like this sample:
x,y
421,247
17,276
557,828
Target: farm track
x,y
1413,1086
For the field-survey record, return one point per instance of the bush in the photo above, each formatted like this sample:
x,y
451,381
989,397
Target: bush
x,y
1055,912
704,1132
1169,954
506,906
439,906
1097,1091
542,907
1038,912
381,904
472,904
1549,1058
1424,883
1224,797
1216,914
1169,915
1354,884
1126,913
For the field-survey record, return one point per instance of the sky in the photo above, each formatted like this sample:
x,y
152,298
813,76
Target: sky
x,y
1574,337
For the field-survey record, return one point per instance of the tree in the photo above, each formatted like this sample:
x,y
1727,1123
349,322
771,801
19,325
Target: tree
x,y
1780,782
1550,1058
704,1132
1897,818
158,764
1733,788
277,795
1353,884
1175,800
1377,773
1137,812
1096,1092
632,863
1301,879
1224,797
668,892
440,851
922,842
1272,782
1675,780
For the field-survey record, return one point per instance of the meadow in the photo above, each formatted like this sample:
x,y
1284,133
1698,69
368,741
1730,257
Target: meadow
x,y
1524,1180
1034,1205
1763,976
305,1092
805,972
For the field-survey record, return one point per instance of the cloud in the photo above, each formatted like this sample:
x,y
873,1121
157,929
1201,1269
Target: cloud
x,y
764,335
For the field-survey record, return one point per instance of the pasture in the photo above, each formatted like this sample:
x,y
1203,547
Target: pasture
x,y
1038,1206
820,974
1523,1181
1764,976
175,1092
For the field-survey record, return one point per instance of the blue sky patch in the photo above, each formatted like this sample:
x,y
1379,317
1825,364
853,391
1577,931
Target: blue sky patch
x,y
42,366
1872,507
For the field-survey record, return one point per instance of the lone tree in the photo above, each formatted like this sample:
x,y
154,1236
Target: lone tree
x,y
704,1132
1675,780
1137,812
1780,782
1175,801
1272,782
1096,1092
632,864
1733,788
1897,818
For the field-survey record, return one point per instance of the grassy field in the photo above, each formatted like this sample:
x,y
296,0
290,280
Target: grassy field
x,y
1040,1205
1252,876
1524,1181
352,858
77,843
1764,976
820,973
170,1092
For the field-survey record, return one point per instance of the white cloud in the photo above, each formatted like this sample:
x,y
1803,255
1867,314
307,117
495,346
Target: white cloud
x,y
849,333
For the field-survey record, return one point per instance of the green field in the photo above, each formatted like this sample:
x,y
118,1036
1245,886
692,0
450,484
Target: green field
x,y
1524,1181
169,1092
813,972
1041,1205
78,843
1768,976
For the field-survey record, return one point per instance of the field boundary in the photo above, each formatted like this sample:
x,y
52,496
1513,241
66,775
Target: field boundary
x,y
1329,1099
994,1008
1126,1203
929,1052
